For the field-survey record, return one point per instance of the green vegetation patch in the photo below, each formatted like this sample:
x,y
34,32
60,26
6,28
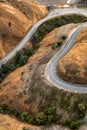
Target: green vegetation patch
x,y
73,125
46,117
49,25
57,103
19,60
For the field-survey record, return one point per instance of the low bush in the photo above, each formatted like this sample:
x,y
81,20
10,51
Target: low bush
x,y
73,125
48,116
57,45
81,110
41,118
4,71
23,116
63,37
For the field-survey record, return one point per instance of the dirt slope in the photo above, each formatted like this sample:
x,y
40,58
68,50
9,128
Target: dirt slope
x,y
15,88
8,123
15,82
16,17
73,66
30,8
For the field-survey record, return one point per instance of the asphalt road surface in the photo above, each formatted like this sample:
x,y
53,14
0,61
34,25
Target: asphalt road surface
x,y
29,35
50,71
50,2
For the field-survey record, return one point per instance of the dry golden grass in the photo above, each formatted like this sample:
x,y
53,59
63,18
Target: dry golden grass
x,y
13,83
12,91
8,123
16,17
73,66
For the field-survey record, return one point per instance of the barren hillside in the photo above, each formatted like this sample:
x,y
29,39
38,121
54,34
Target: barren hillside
x,y
16,17
73,66
14,81
15,90
26,96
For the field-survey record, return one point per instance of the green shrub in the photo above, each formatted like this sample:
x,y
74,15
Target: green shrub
x,y
50,110
20,59
4,70
30,119
81,107
59,44
73,125
3,109
9,24
48,116
81,110
53,47
23,60
41,118
49,25
64,37
23,116
28,52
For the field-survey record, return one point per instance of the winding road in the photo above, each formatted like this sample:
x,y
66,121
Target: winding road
x,y
29,35
50,69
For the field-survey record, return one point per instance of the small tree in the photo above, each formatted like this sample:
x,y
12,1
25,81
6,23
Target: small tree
x,y
9,24
81,110
64,37
41,118
24,116
81,107
59,44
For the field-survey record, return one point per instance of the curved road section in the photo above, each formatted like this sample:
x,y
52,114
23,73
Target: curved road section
x,y
28,36
50,71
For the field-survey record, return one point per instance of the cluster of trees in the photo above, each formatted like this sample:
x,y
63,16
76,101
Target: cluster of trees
x,y
57,103
74,125
59,43
19,60
46,117
49,25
